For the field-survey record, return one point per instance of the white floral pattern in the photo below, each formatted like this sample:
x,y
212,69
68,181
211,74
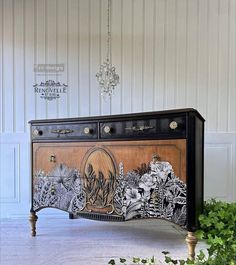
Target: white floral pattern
x,y
61,188
162,194
154,192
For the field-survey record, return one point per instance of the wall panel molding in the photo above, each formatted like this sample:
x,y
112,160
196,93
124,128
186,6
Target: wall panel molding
x,y
10,173
220,166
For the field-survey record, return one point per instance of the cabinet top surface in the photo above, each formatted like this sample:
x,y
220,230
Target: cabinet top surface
x,y
120,116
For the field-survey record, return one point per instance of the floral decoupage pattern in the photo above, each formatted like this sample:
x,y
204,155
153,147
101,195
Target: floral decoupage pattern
x,y
62,188
151,190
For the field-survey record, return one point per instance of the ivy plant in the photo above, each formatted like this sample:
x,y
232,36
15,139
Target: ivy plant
x,y
217,228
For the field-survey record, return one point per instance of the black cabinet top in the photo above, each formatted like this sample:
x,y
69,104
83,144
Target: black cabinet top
x,y
123,116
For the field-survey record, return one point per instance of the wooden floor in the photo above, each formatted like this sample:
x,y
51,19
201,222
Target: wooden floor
x,y
62,241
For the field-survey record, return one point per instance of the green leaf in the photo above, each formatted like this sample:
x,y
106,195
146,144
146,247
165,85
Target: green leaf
x,y
165,252
168,259
189,261
201,255
144,261
112,262
122,260
136,260
152,259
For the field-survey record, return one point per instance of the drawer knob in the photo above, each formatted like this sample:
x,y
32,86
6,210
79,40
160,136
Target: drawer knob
x,y
173,125
52,159
107,129
87,130
37,132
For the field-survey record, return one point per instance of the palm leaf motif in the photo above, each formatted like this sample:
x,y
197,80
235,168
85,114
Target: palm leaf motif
x,y
99,189
58,189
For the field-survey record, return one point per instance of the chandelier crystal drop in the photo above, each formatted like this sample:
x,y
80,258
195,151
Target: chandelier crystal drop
x,y
106,76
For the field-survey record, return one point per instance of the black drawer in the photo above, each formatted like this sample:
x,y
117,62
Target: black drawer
x,y
169,127
65,131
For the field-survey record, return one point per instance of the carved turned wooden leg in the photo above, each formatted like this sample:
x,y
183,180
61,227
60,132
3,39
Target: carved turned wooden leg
x,y
33,219
191,240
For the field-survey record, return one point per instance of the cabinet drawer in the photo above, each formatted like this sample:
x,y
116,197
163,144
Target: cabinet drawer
x,y
170,127
64,131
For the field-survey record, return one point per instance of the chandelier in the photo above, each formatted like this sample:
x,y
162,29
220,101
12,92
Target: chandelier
x,y
106,76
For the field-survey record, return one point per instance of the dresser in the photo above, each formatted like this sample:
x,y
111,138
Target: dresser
x,y
121,167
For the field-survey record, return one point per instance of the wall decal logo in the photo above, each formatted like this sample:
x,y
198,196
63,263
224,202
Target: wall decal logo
x,y
50,89
48,68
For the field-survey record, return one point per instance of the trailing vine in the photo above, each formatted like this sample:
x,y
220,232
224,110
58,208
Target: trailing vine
x,y
217,228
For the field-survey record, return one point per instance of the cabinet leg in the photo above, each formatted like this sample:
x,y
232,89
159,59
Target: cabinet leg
x,y
191,240
33,219
71,216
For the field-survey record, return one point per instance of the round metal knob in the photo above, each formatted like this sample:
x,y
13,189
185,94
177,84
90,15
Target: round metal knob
x,y
173,125
37,132
107,129
87,130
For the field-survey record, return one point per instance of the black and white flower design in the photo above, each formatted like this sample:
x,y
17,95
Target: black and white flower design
x,y
156,193
152,190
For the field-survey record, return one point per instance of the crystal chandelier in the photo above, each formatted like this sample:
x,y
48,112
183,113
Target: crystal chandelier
x,y
106,76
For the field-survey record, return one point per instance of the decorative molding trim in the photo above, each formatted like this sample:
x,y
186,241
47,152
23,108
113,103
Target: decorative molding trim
x,y
10,164
220,162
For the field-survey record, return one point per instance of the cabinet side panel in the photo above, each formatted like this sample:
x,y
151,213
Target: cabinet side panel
x,y
194,172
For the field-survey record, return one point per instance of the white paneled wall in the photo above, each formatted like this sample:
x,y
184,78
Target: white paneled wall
x,y
168,53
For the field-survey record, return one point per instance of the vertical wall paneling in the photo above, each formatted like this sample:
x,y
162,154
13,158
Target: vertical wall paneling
x,y
202,57
67,54
181,47
1,66
29,59
84,54
95,99
116,32
8,69
160,40
70,36
127,55
19,64
213,59
223,66
51,49
105,102
148,60
41,53
192,47
170,56
232,67
138,55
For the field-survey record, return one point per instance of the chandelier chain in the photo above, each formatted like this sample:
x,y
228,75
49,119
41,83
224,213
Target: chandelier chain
x,y
107,76
108,31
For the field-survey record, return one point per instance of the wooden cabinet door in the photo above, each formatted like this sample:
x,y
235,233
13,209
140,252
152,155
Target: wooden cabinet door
x,y
120,178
